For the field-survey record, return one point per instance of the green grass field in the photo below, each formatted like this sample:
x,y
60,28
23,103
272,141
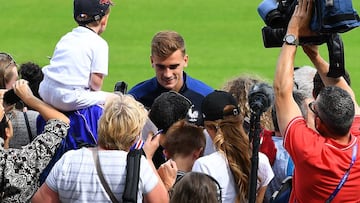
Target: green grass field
x,y
223,37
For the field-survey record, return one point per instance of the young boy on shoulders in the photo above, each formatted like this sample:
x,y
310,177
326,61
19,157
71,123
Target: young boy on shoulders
x,y
74,77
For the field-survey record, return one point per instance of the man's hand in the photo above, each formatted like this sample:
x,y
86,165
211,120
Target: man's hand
x,y
151,144
22,89
167,172
299,24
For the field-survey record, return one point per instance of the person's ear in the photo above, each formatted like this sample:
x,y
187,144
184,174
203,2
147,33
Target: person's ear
x,y
319,125
152,62
186,59
104,19
198,153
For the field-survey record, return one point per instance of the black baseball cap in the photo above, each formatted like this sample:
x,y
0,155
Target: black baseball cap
x,y
214,103
94,9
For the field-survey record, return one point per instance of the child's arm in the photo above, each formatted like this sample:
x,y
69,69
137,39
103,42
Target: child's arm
x,y
96,81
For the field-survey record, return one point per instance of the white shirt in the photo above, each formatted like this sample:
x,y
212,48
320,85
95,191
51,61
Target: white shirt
x,y
78,54
75,179
216,165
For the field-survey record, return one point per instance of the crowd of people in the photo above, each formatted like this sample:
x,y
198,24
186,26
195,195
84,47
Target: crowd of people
x,y
173,138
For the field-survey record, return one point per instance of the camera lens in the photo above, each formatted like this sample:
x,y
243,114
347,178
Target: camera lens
x,y
274,19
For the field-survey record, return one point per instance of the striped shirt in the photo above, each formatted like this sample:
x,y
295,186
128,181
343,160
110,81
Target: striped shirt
x,y
75,179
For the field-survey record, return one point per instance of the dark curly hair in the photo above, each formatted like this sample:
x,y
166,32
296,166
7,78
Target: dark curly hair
x,y
32,73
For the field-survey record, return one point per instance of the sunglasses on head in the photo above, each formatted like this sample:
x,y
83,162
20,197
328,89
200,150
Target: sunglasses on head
x,y
7,57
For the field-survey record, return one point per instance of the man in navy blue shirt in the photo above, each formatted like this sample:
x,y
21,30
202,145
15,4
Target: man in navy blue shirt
x,y
169,58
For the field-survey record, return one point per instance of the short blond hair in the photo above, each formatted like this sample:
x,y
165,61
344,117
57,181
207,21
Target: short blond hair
x,y
121,123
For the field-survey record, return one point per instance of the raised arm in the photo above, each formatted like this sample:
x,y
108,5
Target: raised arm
x,y
159,193
23,90
322,67
286,107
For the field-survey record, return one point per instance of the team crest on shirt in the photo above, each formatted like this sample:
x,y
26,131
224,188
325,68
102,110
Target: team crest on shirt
x,y
192,115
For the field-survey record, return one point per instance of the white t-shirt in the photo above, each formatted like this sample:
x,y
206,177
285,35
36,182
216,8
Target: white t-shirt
x,y
216,165
75,179
265,172
78,54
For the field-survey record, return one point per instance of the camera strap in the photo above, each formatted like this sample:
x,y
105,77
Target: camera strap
x,y
28,126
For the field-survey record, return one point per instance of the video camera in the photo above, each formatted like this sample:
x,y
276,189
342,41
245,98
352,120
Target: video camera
x,y
330,17
276,16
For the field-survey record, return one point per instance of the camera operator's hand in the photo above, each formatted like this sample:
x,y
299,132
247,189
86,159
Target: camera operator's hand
x,y
299,24
22,89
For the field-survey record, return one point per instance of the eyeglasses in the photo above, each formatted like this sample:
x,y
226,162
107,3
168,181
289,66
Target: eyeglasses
x,y
7,57
311,107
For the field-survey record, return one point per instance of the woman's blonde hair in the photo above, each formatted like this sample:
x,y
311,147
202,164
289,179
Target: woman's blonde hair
x,y
121,123
233,142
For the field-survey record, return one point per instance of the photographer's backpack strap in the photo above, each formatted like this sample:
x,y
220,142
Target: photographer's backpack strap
x,y
132,175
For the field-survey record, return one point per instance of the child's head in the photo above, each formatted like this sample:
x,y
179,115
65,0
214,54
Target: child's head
x,y
196,187
184,139
90,11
